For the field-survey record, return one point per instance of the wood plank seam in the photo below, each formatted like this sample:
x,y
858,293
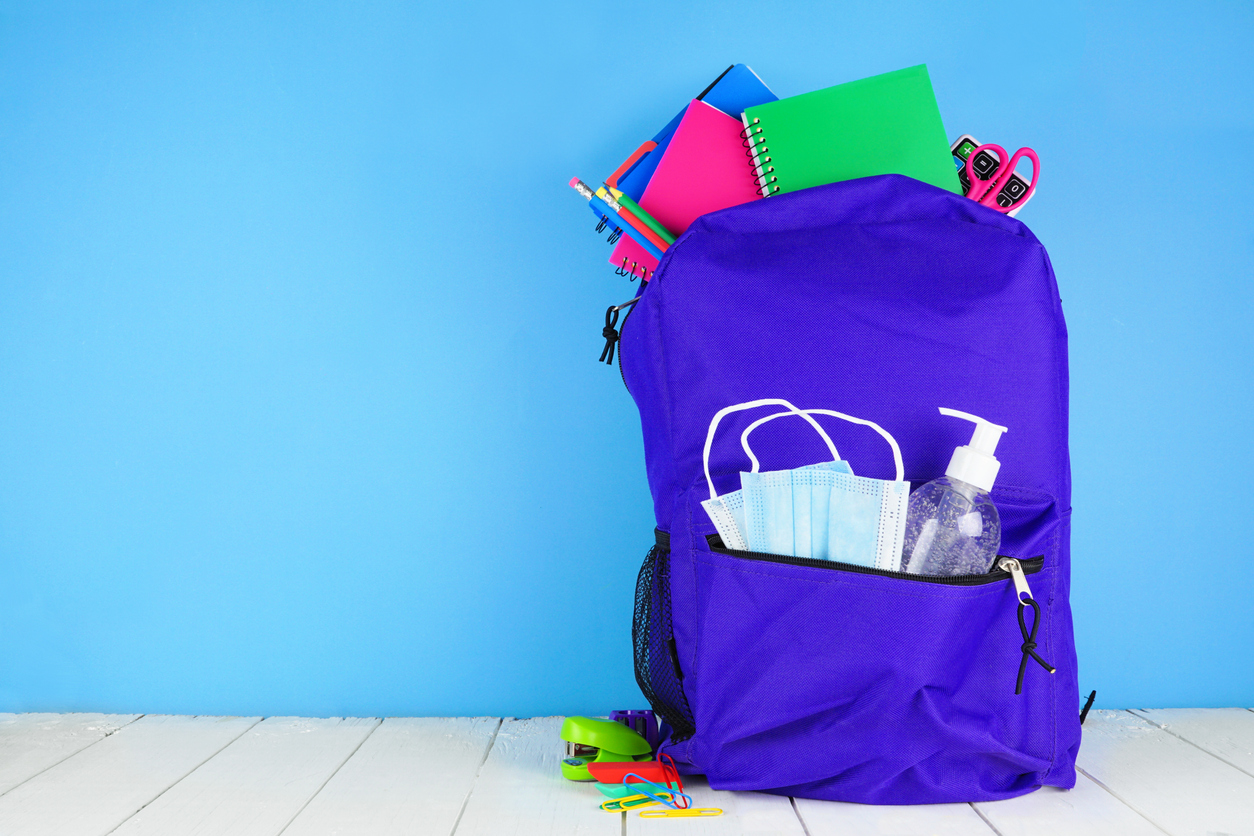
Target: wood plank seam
x,y
329,777
486,752
984,818
1157,725
1122,800
70,755
800,819
189,772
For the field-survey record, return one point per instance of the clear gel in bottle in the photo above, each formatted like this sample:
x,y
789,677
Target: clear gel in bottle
x,y
952,525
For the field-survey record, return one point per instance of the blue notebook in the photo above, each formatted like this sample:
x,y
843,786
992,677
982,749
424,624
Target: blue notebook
x,y
736,89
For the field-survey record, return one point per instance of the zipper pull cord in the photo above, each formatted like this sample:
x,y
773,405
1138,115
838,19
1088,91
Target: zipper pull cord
x,y
1029,641
1024,595
610,334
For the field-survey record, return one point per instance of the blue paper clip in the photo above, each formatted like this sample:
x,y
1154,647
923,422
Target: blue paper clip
x,y
673,793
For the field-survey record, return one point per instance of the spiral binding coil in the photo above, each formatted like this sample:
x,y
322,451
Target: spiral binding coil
x,y
622,270
615,235
758,162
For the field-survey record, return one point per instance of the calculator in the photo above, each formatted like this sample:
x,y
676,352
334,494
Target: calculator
x,y
985,166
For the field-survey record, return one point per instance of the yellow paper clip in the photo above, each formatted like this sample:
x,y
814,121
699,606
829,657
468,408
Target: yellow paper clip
x,y
696,812
631,802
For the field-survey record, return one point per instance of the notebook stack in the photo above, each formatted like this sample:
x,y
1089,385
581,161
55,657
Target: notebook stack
x,y
737,141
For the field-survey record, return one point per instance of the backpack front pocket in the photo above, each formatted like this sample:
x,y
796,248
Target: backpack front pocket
x,y
854,684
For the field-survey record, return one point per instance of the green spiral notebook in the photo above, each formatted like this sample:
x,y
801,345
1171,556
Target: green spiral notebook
x,y
886,124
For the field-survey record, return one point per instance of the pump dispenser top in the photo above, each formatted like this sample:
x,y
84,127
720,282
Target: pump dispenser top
x,y
974,463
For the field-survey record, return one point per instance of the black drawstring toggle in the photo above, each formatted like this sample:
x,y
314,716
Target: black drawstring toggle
x,y
611,336
1029,640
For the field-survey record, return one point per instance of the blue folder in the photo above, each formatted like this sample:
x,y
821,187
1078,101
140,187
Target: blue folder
x,y
736,89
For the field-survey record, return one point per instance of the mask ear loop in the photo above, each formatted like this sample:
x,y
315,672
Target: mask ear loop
x,y
744,438
892,442
727,410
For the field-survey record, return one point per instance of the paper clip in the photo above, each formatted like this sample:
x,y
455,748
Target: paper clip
x,y
631,802
668,765
664,795
696,812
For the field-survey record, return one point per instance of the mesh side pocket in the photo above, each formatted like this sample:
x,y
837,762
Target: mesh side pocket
x,y
657,663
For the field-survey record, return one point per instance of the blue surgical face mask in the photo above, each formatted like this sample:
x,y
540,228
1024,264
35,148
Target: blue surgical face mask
x,y
818,511
727,511
768,511
866,520
825,514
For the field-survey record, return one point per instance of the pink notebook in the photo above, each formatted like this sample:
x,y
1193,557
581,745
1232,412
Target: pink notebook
x,y
704,169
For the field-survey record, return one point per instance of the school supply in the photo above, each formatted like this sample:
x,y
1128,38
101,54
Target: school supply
x,y
589,740
814,678
642,721
615,790
612,772
633,802
695,812
627,203
663,795
638,223
702,170
609,217
611,214
952,525
735,89
988,191
880,125
1014,195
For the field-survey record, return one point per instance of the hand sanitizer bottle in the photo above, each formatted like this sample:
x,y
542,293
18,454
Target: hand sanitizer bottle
x,y
952,526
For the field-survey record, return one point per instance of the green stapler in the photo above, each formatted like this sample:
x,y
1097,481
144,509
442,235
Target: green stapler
x,y
598,740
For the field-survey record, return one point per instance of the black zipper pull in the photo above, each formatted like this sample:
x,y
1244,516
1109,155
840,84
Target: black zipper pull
x,y
610,334
1024,595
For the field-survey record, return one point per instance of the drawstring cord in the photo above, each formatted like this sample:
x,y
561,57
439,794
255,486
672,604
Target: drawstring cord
x,y
1029,641
1087,705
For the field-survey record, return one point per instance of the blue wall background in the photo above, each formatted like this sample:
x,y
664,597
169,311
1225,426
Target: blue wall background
x,y
299,407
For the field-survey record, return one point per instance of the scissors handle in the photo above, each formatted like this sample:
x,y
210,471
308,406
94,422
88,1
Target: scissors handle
x,y
985,192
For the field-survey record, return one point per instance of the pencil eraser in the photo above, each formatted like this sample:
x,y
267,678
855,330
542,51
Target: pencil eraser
x,y
574,181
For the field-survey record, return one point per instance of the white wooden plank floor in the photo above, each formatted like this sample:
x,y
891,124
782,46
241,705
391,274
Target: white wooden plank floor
x,y
1173,771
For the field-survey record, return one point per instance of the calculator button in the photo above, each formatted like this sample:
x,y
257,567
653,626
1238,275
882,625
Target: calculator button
x,y
1013,191
984,165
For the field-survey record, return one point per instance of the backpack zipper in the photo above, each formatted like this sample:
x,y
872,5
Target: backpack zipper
x,y
621,328
1001,573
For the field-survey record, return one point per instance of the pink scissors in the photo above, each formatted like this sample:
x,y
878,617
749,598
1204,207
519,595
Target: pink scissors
x,y
986,192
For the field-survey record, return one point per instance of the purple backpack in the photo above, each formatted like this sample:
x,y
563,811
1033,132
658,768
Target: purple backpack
x,y
883,298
